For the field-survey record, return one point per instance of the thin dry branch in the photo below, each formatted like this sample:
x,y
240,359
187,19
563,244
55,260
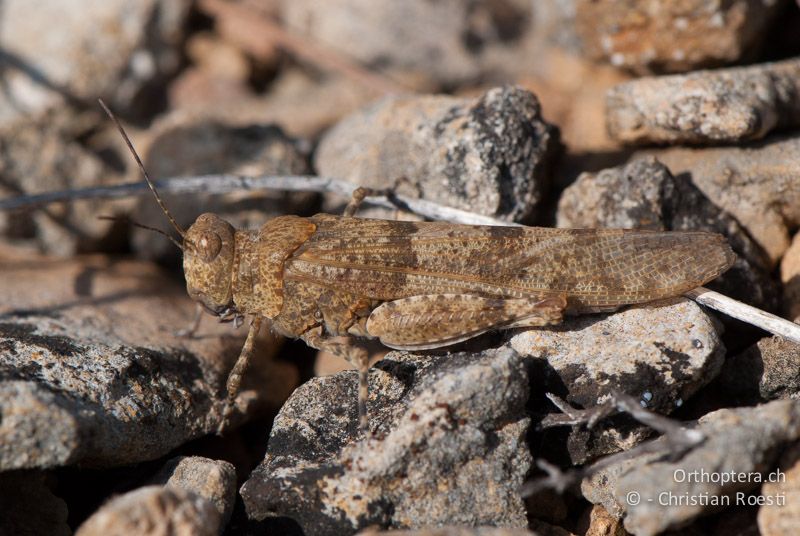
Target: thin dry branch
x,y
675,441
218,184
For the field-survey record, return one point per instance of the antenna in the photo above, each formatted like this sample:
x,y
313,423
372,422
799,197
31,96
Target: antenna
x,y
141,167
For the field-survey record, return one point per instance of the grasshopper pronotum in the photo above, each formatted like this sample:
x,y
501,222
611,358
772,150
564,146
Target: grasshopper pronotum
x,y
417,286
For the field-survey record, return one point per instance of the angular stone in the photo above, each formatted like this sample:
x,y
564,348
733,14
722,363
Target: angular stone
x,y
154,511
780,513
742,441
490,155
767,370
213,480
790,277
41,155
757,184
601,523
726,105
660,353
423,44
643,194
667,36
447,447
453,531
91,373
63,53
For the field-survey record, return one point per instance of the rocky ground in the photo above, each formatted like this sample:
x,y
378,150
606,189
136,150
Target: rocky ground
x,y
652,115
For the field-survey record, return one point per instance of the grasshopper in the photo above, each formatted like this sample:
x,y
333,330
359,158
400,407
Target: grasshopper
x,y
423,285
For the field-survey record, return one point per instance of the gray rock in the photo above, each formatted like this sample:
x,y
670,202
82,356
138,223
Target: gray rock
x,y
447,447
767,370
780,513
738,441
154,511
41,155
424,44
726,105
213,480
60,53
665,36
29,507
452,531
790,277
660,353
91,373
490,155
182,146
757,184
602,523
643,194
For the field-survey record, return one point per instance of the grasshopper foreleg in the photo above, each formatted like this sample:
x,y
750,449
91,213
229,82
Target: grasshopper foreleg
x,y
235,377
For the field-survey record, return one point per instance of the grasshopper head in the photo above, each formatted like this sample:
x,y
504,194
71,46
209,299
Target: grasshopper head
x,y
208,251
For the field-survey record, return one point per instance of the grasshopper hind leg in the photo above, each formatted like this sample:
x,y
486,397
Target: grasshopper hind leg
x,y
436,320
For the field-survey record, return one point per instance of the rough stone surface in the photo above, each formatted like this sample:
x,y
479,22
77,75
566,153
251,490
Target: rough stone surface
x,y
452,531
659,353
602,523
286,105
154,511
424,44
726,105
643,194
572,91
41,155
742,440
757,184
790,277
668,36
59,53
767,370
447,447
91,373
29,507
182,146
213,480
782,518
489,155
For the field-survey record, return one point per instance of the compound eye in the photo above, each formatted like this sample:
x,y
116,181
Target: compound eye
x,y
208,246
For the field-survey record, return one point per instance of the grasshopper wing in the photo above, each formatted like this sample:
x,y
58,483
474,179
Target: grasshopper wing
x,y
596,269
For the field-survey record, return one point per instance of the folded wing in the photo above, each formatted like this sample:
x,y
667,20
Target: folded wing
x,y
596,269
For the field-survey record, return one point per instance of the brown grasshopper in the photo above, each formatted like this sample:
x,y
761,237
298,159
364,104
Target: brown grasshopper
x,y
419,286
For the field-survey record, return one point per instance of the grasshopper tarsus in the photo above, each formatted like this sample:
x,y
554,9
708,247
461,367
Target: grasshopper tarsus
x,y
359,195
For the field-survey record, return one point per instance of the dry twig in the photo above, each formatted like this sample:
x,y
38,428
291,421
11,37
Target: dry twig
x,y
675,441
